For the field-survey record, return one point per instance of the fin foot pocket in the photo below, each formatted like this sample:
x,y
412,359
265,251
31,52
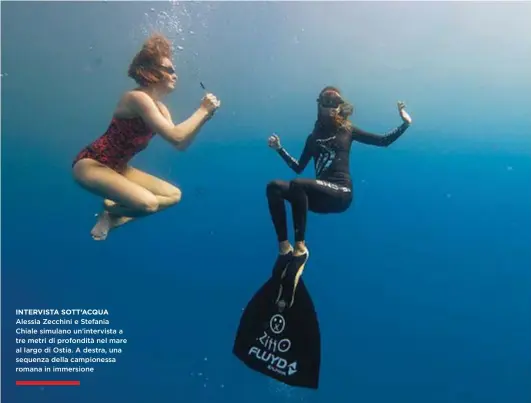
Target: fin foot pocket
x,y
279,271
288,285
281,265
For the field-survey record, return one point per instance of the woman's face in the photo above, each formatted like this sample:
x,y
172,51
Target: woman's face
x,y
170,76
328,104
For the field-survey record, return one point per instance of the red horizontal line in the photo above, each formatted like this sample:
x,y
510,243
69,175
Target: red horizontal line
x,y
47,383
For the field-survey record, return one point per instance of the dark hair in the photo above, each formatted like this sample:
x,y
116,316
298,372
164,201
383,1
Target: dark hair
x,y
329,88
145,67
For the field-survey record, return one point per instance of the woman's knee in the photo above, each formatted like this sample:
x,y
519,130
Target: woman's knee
x,y
174,196
144,204
148,204
274,189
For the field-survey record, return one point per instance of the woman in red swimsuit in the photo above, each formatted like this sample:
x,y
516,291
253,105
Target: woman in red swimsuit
x,y
103,167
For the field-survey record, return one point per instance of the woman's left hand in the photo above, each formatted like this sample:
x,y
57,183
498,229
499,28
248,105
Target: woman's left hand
x,y
403,114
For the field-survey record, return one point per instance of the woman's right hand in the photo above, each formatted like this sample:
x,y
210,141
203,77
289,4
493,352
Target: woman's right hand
x,y
210,103
274,142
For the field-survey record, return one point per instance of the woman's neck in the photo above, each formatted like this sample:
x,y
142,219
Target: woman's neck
x,y
155,93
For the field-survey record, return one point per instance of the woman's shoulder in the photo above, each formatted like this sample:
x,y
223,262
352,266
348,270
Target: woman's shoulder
x,y
134,96
128,104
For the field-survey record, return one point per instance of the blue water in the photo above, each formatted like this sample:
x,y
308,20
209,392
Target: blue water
x,y
422,287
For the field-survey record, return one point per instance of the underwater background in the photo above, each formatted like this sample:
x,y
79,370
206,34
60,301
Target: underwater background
x,y
422,288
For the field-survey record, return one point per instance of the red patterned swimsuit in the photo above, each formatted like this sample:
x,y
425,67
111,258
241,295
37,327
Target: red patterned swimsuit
x,y
119,144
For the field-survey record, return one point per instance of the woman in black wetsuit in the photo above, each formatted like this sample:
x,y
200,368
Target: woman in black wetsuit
x,y
331,192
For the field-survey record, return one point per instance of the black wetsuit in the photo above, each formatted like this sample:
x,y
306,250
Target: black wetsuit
x,y
331,191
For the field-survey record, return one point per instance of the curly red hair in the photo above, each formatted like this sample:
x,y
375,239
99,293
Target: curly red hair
x,y
144,68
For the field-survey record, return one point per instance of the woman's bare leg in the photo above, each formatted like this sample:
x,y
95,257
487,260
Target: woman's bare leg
x,y
136,200
166,194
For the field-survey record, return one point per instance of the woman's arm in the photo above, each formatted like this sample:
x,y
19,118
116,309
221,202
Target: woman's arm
x,y
300,165
388,138
378,140
180,135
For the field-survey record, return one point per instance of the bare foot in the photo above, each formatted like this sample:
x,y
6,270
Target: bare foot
x,y
103,226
